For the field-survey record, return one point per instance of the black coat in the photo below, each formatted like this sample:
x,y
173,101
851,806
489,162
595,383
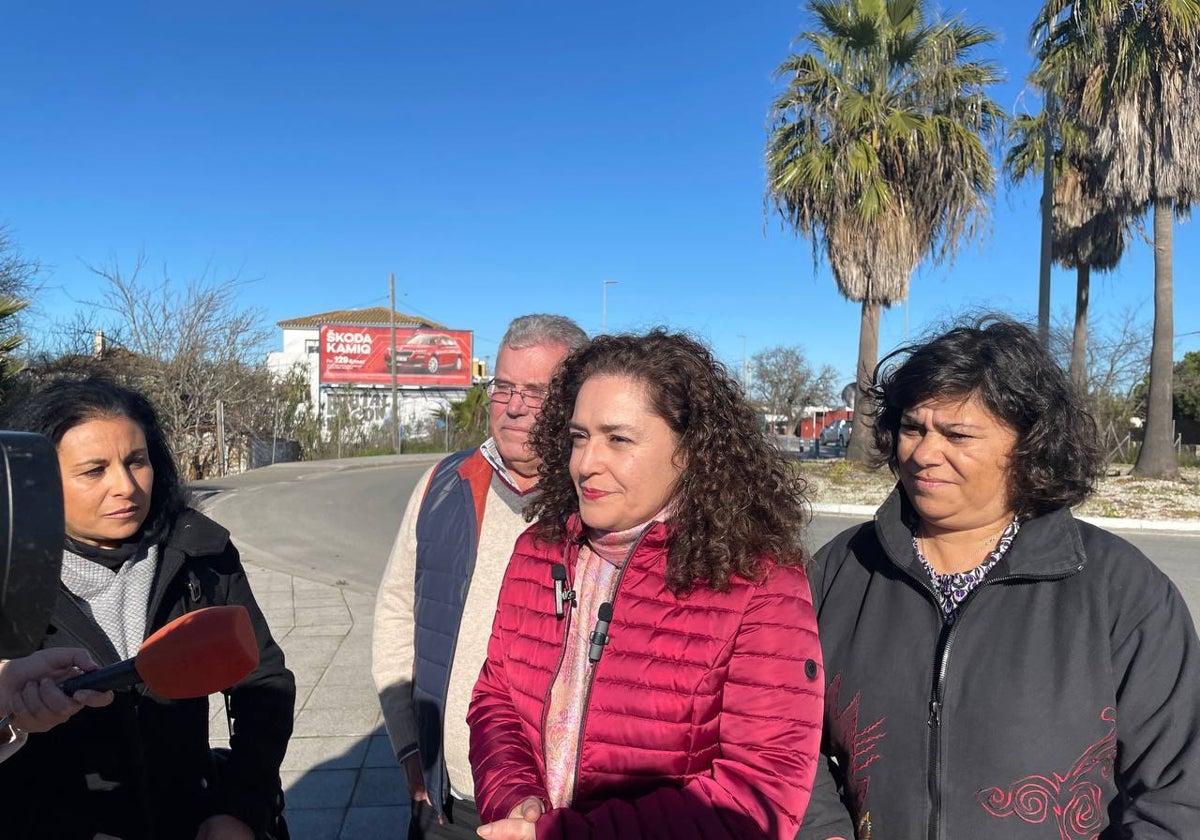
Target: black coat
x,y
1062,704
140,768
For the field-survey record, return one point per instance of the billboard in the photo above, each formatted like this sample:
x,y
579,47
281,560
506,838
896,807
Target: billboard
x,y
424,356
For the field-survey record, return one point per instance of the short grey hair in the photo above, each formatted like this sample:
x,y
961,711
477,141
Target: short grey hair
x,y
539,329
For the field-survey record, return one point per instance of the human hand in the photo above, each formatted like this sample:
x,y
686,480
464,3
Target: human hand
x,y
416,778
224,827
29,688
520,825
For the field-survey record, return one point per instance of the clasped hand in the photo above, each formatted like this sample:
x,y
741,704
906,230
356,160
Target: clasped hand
x,y
520,825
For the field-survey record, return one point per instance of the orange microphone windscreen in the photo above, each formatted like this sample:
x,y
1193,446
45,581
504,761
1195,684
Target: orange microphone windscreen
x,y
199,653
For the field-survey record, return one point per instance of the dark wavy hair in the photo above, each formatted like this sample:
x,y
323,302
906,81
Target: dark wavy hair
x,y
1056,457
737,501
62,405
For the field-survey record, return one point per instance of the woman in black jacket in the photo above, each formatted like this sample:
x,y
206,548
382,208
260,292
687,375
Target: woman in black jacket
x,y
136,557
998,669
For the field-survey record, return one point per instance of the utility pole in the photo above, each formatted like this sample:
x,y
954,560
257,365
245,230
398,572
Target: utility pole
x,y
396,443
221,436
604,306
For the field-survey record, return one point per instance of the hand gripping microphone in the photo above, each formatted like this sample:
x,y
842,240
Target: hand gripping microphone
x,y
599,637
199,653
561,594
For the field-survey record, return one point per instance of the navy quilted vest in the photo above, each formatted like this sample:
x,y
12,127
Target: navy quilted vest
x,y
447,537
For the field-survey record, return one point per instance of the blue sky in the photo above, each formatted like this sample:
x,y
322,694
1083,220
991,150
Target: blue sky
x,y
500,156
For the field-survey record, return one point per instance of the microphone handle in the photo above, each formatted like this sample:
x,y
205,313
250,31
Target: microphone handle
x,y
120,675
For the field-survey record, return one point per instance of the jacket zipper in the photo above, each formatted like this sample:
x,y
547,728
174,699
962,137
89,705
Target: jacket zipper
x,y
941,666
587,694
569,609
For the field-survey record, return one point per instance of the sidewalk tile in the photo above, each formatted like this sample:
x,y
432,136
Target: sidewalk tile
x,y
380,753
265,580
315,823
379,786
338,629
303,689
358,599
386,823
318,655
329,696
308,616
341,752
280,619
354,662
322,722
339,674
318,788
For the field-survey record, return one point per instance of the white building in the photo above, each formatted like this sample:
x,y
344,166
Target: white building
x,y
368,404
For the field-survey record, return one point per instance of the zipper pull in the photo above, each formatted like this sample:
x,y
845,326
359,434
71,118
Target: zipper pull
x,y
935,715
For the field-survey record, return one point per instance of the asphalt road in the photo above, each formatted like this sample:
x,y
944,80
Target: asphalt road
x,y
328,521
334,521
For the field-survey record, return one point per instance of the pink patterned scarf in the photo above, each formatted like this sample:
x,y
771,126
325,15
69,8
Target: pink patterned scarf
x,y
597,570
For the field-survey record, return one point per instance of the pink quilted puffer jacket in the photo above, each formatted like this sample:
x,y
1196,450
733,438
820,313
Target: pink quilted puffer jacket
x,y
704,717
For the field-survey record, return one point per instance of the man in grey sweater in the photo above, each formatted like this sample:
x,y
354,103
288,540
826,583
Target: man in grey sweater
x,y
434,610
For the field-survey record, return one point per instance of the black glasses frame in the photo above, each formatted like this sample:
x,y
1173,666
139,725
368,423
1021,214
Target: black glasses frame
x,y
503,394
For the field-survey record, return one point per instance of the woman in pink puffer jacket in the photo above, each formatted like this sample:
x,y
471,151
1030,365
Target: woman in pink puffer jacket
x,y
654,669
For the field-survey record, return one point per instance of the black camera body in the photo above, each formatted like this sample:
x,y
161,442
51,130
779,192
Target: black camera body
x,y
31,540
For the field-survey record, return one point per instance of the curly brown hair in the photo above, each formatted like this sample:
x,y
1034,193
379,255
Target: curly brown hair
x,y
737,501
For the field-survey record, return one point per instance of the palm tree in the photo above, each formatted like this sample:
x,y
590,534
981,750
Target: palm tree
x,y
1130,70
877,151
1086,235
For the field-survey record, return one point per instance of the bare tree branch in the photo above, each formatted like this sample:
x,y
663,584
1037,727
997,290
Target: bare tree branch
x,y
784,382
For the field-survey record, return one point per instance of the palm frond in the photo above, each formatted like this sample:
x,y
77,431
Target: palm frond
x,y
878,147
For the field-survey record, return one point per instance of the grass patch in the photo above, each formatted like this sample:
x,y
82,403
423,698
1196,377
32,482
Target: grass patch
x,y
837,481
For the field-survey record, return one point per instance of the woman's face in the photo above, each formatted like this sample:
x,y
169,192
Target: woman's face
x,y
107,477
624,458
953,459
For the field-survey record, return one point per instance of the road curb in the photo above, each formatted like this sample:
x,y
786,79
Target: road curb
x,y
1179,526
365,462
1175,526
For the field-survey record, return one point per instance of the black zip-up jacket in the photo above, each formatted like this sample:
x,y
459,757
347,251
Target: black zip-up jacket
x,y
1062,704
140,768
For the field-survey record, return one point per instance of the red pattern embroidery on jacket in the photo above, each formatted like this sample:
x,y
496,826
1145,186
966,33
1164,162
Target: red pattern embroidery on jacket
x,y
862,745
1075,800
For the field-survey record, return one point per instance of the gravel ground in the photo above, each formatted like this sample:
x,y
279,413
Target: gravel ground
x,y
837,481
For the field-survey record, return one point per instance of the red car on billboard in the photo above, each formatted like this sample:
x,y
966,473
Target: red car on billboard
x,y
363,356
425,353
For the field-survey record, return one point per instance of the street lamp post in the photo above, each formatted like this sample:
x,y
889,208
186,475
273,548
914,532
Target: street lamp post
x,y
745,384
604,306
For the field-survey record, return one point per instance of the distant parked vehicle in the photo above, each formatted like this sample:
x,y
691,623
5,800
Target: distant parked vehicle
x,y
426,352
837,432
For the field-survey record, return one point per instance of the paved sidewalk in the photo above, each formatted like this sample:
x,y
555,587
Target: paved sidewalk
x,y
340,778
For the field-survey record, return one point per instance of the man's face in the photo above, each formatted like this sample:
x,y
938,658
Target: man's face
x,y
526,369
